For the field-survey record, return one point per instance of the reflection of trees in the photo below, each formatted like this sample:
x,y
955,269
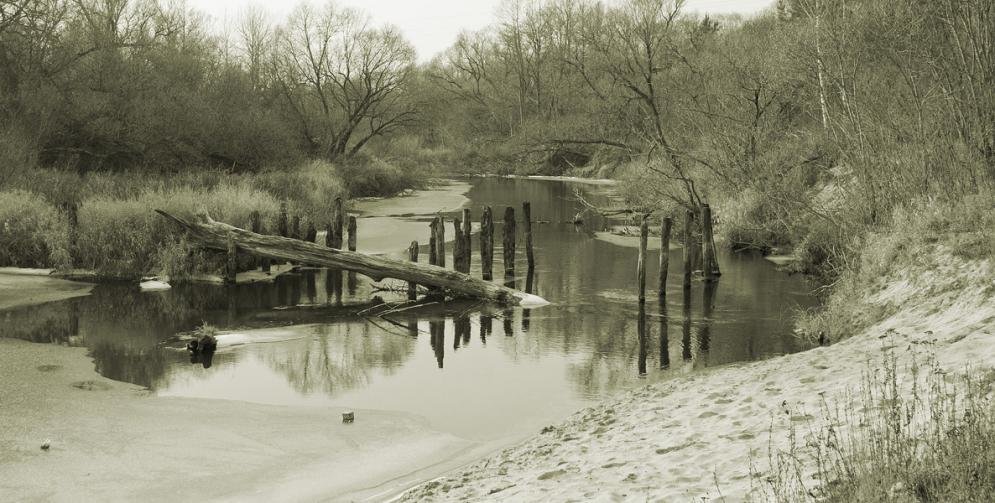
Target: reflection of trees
x,y
144,366
341,357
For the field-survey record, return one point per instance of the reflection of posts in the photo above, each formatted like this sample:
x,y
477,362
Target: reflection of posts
x,y
461,326
437,334
664,334
686,324
707,307
641,330
509,328
486,327
333,285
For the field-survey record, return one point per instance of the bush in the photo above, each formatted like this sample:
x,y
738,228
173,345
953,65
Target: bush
x,y
33,233
366,176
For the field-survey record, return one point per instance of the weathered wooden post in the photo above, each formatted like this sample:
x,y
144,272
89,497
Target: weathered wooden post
x,y
467,246
688,247
644,231
311,235
413,256
711,264
282,225
352,233
295,227
527,222
643,341
665,228
459,246
440,242
231,267
509,241
487,244
433,255
338,217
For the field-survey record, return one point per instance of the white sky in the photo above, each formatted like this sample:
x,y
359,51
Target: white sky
x,y
431,25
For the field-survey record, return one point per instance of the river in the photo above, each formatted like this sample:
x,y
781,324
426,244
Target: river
x,y
477,372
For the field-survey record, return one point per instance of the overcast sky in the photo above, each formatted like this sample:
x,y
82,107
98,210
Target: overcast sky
x,y
431,25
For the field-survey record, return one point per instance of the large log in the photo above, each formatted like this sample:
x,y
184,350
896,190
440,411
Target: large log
x,y
215,235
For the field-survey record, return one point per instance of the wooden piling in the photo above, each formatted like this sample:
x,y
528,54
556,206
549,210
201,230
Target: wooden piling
x,y
282,224
231,267
459,246
710,264
688,247
295,227
311,235
467,246
440,242
644,232
665,228
487,244
509,242
352,233
527,223
413,256
433,255
338,218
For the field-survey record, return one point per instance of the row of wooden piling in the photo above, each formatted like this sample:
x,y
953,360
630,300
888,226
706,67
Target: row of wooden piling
x,y
709,267
340,227
462,244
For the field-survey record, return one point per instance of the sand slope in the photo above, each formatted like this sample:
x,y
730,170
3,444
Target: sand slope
x,y
696,437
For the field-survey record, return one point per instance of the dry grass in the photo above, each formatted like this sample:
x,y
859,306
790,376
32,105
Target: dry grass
x,y
907,434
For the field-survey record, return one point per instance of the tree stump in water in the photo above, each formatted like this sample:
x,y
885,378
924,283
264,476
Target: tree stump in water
x,y
352,233
487,244
527,223
509,242
665,228
413,256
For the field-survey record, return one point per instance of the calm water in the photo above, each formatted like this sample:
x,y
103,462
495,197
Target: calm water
x,y
477,372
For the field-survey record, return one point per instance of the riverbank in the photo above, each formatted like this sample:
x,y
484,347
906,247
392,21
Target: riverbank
x,y
702,436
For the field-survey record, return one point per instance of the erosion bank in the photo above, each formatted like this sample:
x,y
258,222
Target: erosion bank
x,y
699,436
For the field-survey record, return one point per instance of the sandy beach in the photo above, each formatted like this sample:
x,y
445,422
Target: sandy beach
x,y
696,438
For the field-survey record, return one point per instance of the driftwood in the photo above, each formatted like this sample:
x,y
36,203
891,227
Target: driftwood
x,y
215,235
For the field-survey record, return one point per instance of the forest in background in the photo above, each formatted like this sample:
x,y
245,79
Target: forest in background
x,y
806,127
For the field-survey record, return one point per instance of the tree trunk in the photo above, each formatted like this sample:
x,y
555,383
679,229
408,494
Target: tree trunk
x,y
215,235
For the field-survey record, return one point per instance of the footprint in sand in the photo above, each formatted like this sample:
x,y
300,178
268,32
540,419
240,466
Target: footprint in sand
x,y
552,475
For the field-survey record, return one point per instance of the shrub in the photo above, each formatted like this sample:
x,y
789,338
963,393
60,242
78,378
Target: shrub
x,y
371,176
33,233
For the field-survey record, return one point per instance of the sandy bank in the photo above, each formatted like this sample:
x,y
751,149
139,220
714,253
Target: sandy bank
x,y
22,287
696,437
389,225
112,442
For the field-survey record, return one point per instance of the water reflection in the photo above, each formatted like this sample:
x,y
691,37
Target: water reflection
x,y
327,346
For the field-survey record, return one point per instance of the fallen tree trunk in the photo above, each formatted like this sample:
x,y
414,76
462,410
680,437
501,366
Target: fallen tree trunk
x,y
211,234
